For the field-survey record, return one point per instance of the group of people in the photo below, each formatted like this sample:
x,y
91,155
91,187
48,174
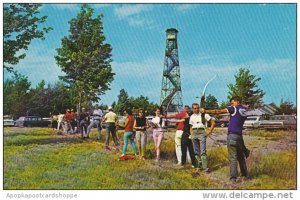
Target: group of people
x,y
66,122
190,137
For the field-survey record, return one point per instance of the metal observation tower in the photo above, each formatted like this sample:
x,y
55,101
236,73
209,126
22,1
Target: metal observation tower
x,y
171,95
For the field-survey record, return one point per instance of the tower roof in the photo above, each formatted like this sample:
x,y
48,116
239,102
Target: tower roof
x,y
171,30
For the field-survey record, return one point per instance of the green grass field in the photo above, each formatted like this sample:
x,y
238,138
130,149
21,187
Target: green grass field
x,y
39,158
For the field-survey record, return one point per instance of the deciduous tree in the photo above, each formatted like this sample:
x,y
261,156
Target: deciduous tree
x,y
211,102
85,57
246,87
286,108
20,25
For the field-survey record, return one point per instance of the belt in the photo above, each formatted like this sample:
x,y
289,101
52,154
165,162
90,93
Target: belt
x,y
198,128
235,133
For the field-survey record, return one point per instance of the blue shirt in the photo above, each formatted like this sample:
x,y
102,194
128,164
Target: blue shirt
x,y
237,119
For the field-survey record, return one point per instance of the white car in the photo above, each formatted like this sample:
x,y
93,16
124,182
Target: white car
x,y
121,120
8,121
280,122
149,118
252,122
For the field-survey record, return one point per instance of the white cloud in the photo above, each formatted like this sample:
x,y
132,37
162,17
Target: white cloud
x,y
129,10
67,6
39,64
136,21
132,14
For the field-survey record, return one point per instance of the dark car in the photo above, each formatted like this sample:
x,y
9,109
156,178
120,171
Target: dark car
x,y
222,122
31,121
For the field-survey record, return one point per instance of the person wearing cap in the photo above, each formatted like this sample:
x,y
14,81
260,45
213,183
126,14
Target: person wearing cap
x,y
67,122
84,121
97,117
111,120
73,121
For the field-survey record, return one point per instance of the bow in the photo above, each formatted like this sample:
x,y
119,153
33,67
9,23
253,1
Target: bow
x,y
208,82
202,101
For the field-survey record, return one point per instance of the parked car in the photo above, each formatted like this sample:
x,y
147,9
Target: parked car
x,y
8,121
223,121
31,121
121,121
252,122
280,122
219,122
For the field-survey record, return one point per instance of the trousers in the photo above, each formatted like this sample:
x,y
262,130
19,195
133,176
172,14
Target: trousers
x,y
236,155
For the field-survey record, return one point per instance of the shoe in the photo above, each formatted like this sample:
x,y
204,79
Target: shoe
x,y
207,171
233,180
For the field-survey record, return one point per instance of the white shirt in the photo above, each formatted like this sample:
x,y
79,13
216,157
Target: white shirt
x,y
97,114
196,120
156,121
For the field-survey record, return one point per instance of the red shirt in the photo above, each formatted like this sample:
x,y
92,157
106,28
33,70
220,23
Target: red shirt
x,y
180,125
129,127
73,115
68,116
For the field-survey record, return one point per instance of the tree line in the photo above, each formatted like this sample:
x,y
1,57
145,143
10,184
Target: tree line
x,y
21,99
85,58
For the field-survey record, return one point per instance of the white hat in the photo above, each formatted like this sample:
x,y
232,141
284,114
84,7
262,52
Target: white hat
x,y
109,108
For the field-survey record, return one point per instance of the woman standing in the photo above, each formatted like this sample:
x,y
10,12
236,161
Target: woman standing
x,y
140,125
158,125
186,142
128,134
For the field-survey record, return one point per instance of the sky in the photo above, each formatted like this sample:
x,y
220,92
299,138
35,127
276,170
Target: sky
x,y
213,39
